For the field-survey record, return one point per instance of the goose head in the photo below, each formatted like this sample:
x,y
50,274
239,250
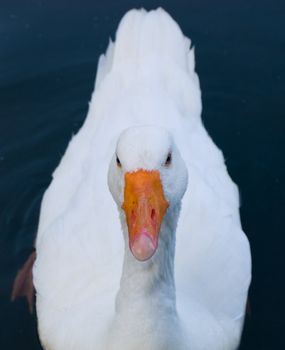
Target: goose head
x,y
147,178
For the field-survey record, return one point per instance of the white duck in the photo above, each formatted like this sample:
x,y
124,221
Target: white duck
x,y
98,291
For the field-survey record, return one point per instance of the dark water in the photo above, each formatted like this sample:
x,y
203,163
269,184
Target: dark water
x,y
48,57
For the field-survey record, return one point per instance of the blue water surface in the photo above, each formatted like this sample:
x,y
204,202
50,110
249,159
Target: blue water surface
x,y
48,58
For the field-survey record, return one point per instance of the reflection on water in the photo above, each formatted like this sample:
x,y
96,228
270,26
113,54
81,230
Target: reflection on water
x,y
48,61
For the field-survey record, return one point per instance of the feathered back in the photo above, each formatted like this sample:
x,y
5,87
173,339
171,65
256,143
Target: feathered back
x,y
143,36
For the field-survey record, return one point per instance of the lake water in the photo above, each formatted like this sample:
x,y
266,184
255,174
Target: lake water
x,y
48,57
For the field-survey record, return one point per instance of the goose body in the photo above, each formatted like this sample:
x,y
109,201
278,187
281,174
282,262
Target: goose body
x,y
93,293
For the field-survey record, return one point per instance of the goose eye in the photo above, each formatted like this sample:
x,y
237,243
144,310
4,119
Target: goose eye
x,y
118,161
168,159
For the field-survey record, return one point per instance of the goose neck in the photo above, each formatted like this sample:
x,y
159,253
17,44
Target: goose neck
x,y
151,281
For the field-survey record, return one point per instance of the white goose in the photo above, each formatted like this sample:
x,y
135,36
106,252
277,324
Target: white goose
x,y
98,291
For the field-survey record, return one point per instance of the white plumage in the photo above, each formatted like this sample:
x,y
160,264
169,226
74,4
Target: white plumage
x,y
147,77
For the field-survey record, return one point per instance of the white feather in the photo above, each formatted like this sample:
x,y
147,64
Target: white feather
x,y
146,77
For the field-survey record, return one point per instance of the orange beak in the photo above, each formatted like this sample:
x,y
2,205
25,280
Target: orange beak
x,y
144,206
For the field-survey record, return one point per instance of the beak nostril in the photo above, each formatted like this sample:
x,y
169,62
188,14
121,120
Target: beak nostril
x,y
153,214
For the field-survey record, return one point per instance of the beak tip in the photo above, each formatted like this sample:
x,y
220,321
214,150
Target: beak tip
x,y
143,248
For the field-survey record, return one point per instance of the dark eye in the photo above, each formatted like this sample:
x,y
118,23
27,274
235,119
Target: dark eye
x,y
168,159
118,161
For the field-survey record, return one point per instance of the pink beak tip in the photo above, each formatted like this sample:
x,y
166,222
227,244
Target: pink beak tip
x,y
143,247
